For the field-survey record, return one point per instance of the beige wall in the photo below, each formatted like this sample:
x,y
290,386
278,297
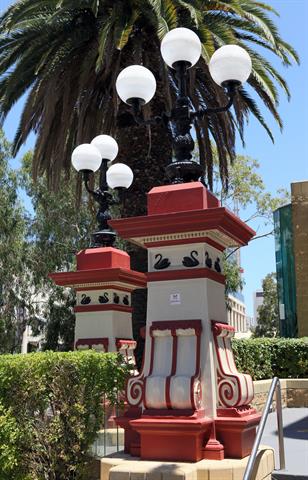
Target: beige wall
x,y
294,393
299,192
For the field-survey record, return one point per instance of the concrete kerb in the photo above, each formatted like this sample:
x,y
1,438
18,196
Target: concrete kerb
x,y
123,467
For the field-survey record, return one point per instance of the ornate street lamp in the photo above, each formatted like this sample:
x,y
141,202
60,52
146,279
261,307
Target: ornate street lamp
x,y
87,159
230,67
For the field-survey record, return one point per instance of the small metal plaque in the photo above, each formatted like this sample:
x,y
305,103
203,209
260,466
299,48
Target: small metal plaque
x,y
175,299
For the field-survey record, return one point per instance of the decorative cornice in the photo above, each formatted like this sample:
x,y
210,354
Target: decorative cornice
x,y
125,343
217,223
122,287
174,325
222,329
185,239
90,342
83,278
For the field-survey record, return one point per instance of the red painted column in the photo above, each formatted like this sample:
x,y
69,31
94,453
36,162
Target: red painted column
x,y
103,282
189,402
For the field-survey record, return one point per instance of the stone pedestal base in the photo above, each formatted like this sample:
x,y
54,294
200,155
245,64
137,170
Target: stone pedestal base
x,y
131,436
124,467
171,438
236,430
189,438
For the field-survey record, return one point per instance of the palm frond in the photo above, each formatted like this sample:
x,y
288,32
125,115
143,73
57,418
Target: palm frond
x,y
66,54
254,109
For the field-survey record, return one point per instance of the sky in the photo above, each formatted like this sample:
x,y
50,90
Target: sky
x,y
281,163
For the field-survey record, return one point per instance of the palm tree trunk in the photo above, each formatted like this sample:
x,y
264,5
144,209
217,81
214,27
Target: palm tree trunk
x,y
147,151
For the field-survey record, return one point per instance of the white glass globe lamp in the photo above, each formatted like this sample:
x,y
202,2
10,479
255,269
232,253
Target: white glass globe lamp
x,y
86,157
107,146
119,175
181,45
136,82
230,63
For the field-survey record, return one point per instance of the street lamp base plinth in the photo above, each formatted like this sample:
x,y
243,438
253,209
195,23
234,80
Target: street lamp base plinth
x,y
184,171
103,238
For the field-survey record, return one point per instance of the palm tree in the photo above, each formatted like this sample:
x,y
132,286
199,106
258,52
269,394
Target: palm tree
x,y
65,55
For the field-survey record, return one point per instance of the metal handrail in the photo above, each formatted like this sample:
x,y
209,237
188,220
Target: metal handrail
x,y
275,387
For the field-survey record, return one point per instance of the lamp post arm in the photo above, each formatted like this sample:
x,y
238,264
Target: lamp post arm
x,y
102,197
231,88
98,194
86,178
210,111
136,105
104,236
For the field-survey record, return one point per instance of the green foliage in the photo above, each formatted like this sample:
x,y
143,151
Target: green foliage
x,y
56,231
33,244
10,446
265,358
234,279
59,228
50,411
13,274
268,313
246,190
246,193
252,356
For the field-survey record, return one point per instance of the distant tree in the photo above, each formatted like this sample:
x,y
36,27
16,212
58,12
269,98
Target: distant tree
x,y
234,279
13,297
268,312
46,239
56,230
33,244
19,305
246,193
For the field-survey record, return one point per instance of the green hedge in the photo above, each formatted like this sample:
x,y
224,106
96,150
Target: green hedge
x,y
50,411
50,403
265,358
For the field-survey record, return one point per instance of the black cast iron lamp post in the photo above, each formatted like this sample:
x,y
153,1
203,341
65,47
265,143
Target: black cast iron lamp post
x,y
230,66
90,157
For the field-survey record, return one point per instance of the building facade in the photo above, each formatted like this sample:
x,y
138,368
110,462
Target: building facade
x,y
258,298
30,342
237,317
291,245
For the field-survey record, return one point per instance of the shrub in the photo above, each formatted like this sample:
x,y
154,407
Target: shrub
x,y
9,446
265,358
50,411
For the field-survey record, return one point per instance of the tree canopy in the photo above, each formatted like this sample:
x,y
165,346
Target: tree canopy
x,y
268,312
46,238
33,244
12,254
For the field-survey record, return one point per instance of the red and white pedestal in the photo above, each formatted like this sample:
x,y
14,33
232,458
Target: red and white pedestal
x,y
189,402
103,282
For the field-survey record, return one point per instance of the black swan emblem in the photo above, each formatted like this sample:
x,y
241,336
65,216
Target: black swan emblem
x,y
85,300
217,265
161,262
116,298
103,298
191,261
126,300
208,260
